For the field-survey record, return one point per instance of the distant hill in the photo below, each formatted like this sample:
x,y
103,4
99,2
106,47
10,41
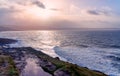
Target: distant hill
x,y
2,28
51,27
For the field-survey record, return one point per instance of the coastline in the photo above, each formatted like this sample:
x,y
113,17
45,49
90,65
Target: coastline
x,y
53,66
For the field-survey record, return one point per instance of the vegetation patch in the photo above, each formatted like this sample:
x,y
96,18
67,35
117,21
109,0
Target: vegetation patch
x,y
7,66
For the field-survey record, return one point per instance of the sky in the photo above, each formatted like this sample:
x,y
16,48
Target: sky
x,y
60,13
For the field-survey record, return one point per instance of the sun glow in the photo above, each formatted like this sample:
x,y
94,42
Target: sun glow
x,y
40,13
52,11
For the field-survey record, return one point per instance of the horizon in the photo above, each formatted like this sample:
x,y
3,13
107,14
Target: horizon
x,y
43,28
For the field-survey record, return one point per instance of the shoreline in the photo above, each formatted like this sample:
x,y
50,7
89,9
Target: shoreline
x,y
53,66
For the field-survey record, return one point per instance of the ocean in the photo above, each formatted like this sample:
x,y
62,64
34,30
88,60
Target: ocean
x,y
97,50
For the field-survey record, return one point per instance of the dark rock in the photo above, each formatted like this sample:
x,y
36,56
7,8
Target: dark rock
x,y
60,72
4,41
48,65
57,58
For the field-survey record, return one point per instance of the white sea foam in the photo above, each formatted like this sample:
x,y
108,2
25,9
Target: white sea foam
x,y
93,58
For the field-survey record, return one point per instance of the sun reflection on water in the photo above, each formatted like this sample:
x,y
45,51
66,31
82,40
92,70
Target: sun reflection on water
x,y
48,38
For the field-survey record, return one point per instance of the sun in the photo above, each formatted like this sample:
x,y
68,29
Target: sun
x,y
40,13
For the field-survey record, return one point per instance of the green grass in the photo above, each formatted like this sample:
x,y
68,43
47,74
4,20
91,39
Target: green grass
x,y
9,69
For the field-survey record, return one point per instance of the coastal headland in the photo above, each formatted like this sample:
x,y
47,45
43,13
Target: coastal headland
x,y
13,62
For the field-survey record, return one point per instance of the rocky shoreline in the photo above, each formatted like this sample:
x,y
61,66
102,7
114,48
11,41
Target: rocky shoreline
x,y
4,41
53,66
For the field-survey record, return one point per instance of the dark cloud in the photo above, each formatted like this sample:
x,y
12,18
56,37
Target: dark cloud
x,y
93,12
99,12
31,2
39,4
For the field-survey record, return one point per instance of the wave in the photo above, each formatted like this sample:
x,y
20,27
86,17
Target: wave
x,y
92,58
111,46
114,58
